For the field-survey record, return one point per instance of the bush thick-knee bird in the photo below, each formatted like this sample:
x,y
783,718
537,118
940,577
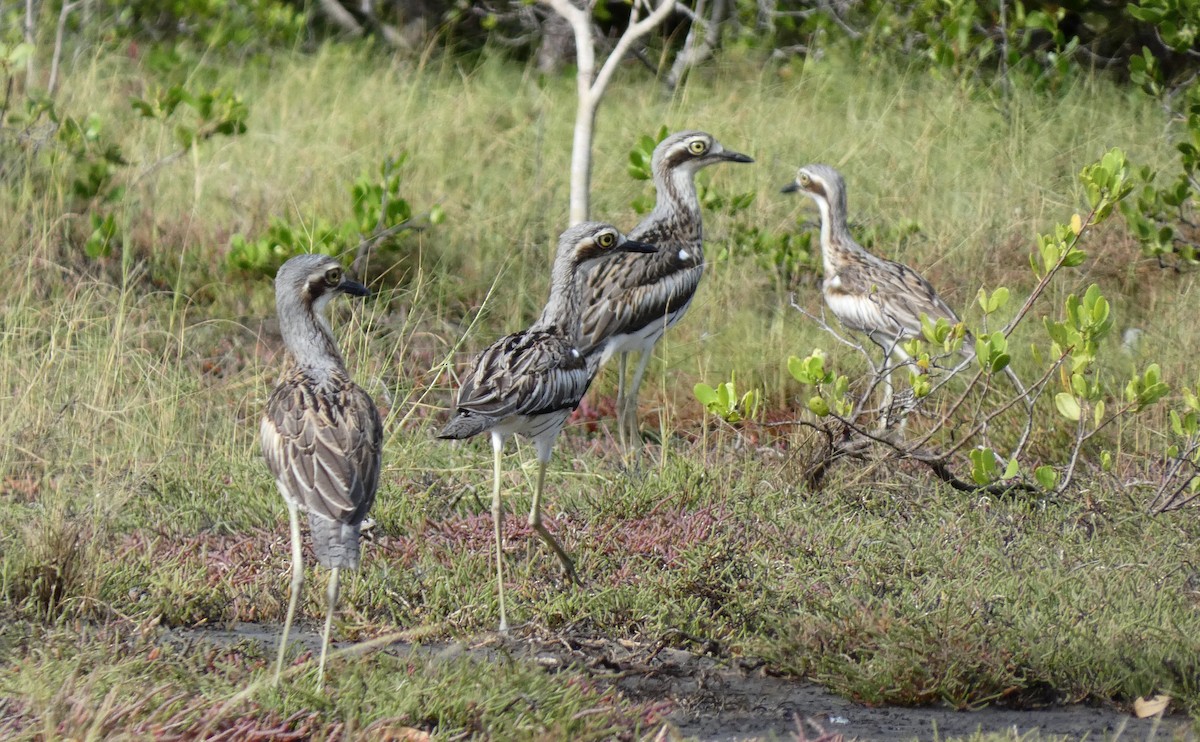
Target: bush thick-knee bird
x,y
321,433
880,298
529,382
630,302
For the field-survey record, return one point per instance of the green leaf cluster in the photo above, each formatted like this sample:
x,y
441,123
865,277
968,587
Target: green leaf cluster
x,y
381,216
985,466
723,401
832,391
1176,21
1143,391
1086,322
1106,182
641,156
215,112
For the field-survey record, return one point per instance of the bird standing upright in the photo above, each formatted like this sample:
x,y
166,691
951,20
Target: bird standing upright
x,y
881,298
631,301
529,382
321,433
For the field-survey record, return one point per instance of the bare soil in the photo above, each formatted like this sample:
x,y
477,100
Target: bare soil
x,y
714,698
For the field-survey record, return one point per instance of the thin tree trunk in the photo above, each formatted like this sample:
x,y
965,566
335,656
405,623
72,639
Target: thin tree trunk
x,y
693,53
59,35
30,38
591,85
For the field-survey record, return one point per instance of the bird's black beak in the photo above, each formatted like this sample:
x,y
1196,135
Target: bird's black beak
x,y
736,156
634,246
790,188
353,288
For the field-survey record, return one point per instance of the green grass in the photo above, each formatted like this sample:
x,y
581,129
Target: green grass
x,y
132,493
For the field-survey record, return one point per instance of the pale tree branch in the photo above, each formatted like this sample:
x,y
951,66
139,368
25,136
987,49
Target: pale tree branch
x,y
632,34
341,17
693,52
590,87
30,25
58,44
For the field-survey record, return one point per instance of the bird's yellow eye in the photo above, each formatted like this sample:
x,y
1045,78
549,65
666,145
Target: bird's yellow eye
x,y
804,180
698,147
606,239
333,276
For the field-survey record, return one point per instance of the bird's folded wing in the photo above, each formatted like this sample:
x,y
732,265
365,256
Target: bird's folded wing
x,y
901,294
631,291
323,446
527,373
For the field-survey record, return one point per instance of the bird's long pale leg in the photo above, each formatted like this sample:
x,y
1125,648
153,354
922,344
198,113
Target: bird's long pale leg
x,y
497,521
296,587
621,360
333,597
535,512
886,404
901,359
631,411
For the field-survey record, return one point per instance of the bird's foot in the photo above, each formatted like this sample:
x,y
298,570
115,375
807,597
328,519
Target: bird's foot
x,y
570,575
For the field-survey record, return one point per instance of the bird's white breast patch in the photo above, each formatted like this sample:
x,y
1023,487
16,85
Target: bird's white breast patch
x,y
858,313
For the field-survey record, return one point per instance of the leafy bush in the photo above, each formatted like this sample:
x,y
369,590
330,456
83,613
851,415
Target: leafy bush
x,y
382,221
57,148
244,25
1162,214
724,402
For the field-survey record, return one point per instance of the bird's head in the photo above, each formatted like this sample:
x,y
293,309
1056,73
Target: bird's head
x,y
589,242
821,183
315,279
690,151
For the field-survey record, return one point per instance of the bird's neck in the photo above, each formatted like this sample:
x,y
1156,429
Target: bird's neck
x,y
564,309
835,236
677,204
308,338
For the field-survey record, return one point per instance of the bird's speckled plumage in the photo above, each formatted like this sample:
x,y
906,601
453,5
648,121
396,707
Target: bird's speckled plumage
x,y
321,433
528,373
527,383
880,298
539,371
631,300
321,439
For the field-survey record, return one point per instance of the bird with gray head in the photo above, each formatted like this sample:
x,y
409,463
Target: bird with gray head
x,y
631,301
321,433
529,382
880,298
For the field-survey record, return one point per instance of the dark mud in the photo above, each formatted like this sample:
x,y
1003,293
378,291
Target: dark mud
x,y
721,699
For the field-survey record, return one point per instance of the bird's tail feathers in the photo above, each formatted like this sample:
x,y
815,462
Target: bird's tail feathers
x,y
336,544
464,425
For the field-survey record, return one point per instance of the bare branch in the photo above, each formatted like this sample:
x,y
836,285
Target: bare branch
x,y
341,17
30,27
590,86
633,33
693,53
58,44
